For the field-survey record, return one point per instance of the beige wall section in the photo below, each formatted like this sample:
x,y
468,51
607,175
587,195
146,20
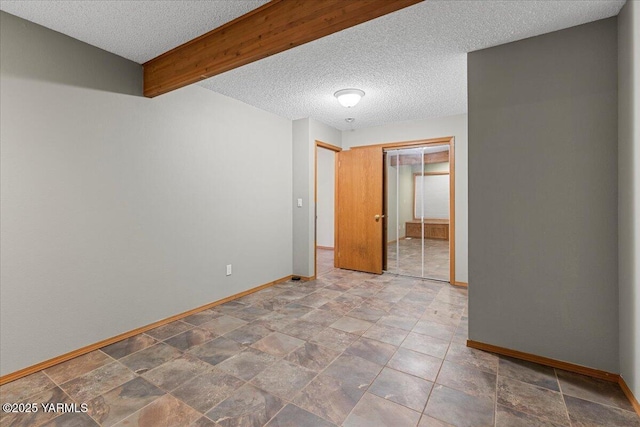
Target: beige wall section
x,y
302,237
117,210
423,129
433,167
399,200
326,197
405,208
629,193
305,133
391,176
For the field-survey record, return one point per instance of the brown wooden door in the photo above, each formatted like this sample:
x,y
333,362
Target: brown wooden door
x,y
359,219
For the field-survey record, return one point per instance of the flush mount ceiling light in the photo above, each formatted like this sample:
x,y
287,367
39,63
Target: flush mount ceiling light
x,y
349,97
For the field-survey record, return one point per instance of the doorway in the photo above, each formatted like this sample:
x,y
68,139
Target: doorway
x,y
324,198
418,203
363,233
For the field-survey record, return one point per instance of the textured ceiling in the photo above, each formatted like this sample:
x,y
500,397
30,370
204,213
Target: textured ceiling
x,y
411,63
138,30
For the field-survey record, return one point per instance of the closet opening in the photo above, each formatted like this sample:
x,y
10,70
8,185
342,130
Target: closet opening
x,y
419,206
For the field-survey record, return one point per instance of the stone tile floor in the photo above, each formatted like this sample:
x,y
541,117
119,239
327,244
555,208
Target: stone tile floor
x,y
404,257
348,349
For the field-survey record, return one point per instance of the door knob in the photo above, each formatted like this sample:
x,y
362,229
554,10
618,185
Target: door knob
x,y
377,217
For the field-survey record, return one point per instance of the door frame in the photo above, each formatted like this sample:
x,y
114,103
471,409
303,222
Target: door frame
x,y
335,149
447,140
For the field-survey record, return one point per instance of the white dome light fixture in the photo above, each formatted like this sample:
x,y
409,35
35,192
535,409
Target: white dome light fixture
x,y
349,97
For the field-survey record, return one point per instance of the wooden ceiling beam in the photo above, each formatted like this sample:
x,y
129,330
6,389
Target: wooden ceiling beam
x,y
272,28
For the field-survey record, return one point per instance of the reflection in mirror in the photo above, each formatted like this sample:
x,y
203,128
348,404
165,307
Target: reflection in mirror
x,y
393,232
418,212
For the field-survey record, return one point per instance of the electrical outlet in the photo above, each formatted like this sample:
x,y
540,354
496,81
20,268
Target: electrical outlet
x,y
228,269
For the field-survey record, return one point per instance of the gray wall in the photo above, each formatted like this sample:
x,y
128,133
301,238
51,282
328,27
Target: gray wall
x,y
117,210
301,239
629,192
543,264
305,133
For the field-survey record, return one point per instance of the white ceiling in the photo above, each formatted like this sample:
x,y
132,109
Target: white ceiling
x,y
138,30
411,63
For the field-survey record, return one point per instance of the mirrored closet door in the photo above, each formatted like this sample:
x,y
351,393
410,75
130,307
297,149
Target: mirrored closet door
x,y
417,211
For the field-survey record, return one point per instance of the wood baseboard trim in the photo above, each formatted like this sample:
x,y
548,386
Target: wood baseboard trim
x,y
328,248
391,242
460,284
92,347
571,367
304,278
627,392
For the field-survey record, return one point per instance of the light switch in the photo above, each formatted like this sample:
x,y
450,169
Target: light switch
x,y
299,203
